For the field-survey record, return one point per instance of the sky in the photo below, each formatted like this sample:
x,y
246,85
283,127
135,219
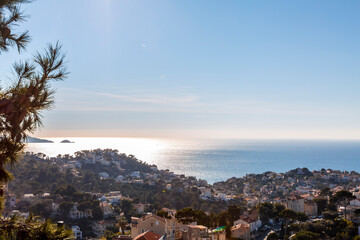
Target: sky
x,y
200,69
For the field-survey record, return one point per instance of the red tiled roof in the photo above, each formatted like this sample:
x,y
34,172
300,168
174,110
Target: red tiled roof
x,y
152,215
295,197
147,236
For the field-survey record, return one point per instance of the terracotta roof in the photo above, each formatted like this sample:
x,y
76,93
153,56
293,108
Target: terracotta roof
x,y
294,197
248,219
242,227
197,226
147,236
152,215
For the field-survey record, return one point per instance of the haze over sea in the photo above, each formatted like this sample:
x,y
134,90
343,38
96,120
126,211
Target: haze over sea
x,y
218,160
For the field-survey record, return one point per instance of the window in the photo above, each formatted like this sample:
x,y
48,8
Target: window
x,y
157,222
152,224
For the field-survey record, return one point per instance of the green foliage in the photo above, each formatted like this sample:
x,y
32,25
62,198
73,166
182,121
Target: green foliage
x,y
30,228
321,204
34,174
268,210
301,217
272,236
163,214
342,198
21,104
288,214
187,215
30,93
234,212
305,235
326,192
329,229
330,215
10,16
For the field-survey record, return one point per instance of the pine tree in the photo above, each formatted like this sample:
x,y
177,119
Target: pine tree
x,y
30,93
20,108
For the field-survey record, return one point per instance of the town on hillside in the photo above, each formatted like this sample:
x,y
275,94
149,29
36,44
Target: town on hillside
x,y
104,194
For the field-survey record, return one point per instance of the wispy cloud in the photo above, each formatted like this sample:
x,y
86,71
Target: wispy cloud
x,y
147,101
143,98
143,45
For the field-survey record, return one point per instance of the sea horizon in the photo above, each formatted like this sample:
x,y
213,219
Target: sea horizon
x,y
217,160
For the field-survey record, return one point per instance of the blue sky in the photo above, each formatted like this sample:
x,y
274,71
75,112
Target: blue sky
x,y
224,69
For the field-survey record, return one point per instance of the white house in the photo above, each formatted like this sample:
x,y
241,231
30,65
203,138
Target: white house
x,y
76,231
104,175
254,224
135,174
76,214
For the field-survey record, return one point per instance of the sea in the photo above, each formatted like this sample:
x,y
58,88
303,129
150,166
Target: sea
x,y
218,160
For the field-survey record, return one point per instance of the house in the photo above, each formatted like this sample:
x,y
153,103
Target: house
x,y
217,235
99,227
106,209
120,177
195,232
173,228
295,203
76,231
254,224
149,222
148,235
139,208
135,174
241,231
55,207
206,194
28,196
104,162
104,175
11,200
310,208
76,214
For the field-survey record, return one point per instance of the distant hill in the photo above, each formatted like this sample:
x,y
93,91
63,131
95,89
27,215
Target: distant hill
x,y
66,141
37,140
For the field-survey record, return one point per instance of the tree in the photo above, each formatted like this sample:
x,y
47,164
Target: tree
x,y
21,103
163,214
326,191
288,215
266,211
234,212
306,235
343,198
272,236
329,215
10,17
30,228
301,217
186,215
321,204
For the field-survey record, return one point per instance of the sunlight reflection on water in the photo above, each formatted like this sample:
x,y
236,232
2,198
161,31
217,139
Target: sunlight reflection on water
x,y
217,160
